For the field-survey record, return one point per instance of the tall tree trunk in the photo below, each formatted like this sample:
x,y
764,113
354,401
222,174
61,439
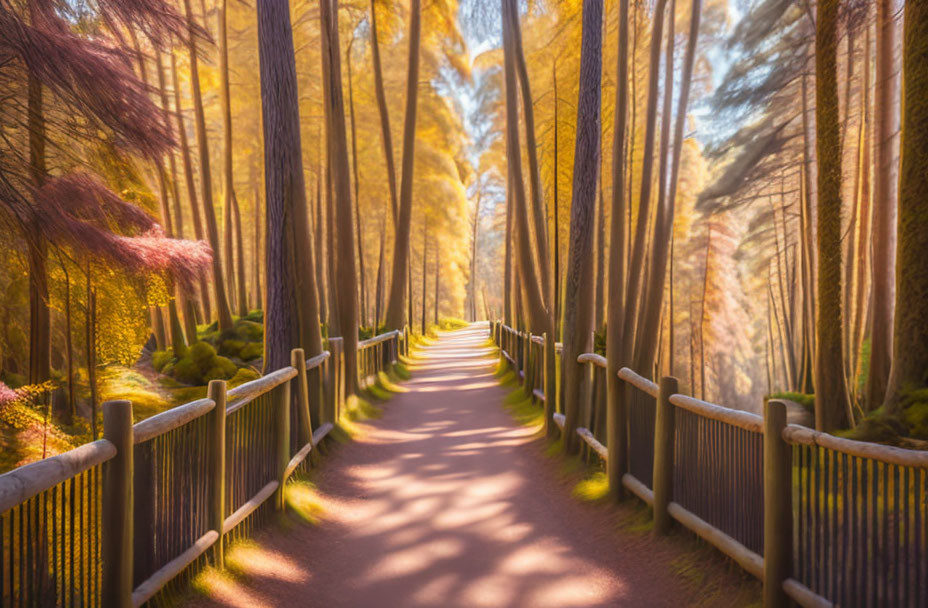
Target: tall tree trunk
x,y
187,303
205,305
386,136
357,198
346,285
473,259
257,252
617,251
330,238
291,316
425,258
228,187
176,332
40,339
636,265
507,270
910,342
884,208
378,296
90,343
599,307
578,304
321,273
557,233
531,151
223,312
400,274
831,400
702,315
437,273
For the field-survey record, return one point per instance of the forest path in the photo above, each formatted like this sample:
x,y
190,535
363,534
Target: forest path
x,y
445,501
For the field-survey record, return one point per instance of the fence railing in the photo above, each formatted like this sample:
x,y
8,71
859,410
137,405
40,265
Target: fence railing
x,y
116,521
376,354
819,519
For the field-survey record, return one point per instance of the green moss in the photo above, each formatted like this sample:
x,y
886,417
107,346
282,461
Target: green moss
x,y
222,369
187,371
915,413
251,351
202,355
592,489
160,358
243,375
231,348
803,399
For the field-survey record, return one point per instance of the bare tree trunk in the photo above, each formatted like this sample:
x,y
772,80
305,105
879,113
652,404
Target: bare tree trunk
x,y
334,321
702,316
599,306
910,341
378,297
228,188
507,272
831,400
473,259
257,251
346,285
884,209
205,306
425,258
395,305
636,265
223,312
663,221
617,251
437,273
557,233
187,303
90,343
386,136
292,315
40,339
578,305
357,185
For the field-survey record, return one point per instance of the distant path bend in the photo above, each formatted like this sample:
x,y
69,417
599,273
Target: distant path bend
x,y
442,502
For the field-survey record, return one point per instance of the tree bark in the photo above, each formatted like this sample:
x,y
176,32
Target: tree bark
x,y
473,259
40,339
205,307
291,316
578,304
831,400
636,265
357,182
884,209
386,137
400,273
425,258
223,312
910,342
346,284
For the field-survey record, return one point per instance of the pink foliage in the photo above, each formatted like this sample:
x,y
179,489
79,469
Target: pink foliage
x,y
77,210
91,75
7,395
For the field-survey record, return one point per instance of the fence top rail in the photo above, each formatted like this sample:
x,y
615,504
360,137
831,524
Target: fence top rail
x,y
739,418
800,435
240,395
378,339
169,420
597,360
21,484
538,339
639,382
314,362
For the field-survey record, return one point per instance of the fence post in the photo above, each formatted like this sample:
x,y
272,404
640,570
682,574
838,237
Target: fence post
x,y
616,433
305,429
117,507
282,432
216,421
778,505
662,482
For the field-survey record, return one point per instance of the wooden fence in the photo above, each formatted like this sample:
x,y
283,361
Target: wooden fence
x,y
116,521
819,519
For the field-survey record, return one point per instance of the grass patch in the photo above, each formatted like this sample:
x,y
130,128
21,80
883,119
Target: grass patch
x,y
303,502
594,488
401,371
523,409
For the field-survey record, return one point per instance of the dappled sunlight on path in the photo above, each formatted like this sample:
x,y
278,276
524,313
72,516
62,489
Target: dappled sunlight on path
x,y
442,503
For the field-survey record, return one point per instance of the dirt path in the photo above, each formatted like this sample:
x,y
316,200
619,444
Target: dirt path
x,y
443,503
